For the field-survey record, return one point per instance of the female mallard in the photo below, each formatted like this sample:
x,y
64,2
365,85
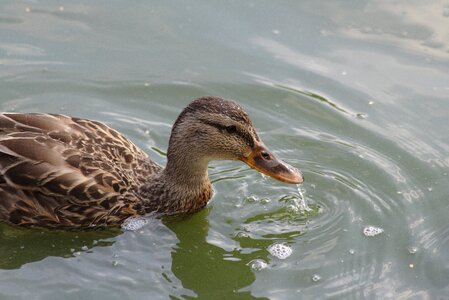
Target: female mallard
x,y
63,171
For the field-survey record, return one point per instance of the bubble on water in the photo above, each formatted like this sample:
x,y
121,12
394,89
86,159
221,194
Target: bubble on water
x,y
280,251
411,266
134,223
257,264
412,250
252,199
351,251
372,231
316,278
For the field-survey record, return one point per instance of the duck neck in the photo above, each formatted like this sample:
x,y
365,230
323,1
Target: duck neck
x,y
183,186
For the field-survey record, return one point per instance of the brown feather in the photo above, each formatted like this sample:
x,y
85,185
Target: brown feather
x,y
57,170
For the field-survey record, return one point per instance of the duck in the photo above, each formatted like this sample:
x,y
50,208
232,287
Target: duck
x,y
63,171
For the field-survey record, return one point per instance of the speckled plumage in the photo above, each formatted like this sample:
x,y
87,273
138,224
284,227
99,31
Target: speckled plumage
x,y
57,170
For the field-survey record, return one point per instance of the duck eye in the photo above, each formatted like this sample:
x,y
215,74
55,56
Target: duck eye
x,y
231,129
266,155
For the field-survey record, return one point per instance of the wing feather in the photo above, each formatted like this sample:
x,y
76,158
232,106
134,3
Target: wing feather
x,y
58,170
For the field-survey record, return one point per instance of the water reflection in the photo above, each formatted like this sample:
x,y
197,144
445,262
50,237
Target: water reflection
x,y
19,246
201,265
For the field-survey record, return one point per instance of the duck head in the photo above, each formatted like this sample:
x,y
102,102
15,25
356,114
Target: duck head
x,y
212,128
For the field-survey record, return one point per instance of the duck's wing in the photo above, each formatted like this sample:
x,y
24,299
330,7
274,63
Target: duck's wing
x,y
58,170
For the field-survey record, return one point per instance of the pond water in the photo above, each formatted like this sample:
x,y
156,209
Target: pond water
x,y
355,93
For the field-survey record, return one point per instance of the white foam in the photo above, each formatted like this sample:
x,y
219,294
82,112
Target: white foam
x,y
372,231
280,251
134,223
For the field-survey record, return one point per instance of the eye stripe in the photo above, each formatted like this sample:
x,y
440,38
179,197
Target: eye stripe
x,y
236,130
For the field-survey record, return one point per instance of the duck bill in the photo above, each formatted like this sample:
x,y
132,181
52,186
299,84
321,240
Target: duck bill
x,y
265,162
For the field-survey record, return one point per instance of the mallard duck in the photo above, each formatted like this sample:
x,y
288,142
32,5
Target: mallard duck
x,y
58,170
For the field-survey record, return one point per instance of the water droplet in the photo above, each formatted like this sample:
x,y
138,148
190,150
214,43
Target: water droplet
x,y
61,8
344,73
371,231
411,266
27,9
292,209
351,251
252,199
275,31
257,264
134,223
430,189
371,102
301,202
361,116
280,251
412,250
147,84
265,201
242,234
316,278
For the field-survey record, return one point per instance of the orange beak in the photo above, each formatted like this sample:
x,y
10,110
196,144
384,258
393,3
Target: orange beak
x,y
265,162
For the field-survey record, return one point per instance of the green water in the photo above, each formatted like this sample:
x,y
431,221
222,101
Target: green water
x,y
355,93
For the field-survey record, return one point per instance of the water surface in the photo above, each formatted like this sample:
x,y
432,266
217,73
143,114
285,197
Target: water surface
x,y
355,93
